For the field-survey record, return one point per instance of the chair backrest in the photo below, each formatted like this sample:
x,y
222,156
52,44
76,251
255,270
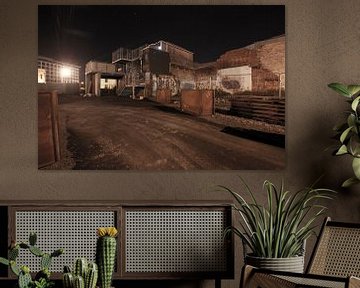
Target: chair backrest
x,y
337,251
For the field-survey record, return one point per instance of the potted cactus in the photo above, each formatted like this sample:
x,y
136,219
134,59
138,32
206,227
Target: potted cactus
x,y
106,254
85,275
42,278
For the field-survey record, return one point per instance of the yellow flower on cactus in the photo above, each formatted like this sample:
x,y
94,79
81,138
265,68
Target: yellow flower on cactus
x,y
106,231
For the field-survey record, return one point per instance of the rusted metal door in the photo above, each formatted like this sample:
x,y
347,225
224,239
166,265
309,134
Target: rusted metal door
x,y
48,129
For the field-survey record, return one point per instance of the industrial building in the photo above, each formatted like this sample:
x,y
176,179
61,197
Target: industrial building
x,y
153,66
59,76
101,78
255,69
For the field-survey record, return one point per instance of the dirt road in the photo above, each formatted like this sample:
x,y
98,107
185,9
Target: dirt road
x,y
120,133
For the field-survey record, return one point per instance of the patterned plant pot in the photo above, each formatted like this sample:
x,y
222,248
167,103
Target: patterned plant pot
x,y
291,264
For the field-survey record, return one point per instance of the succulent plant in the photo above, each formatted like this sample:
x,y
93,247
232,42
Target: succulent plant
x,y
80,267
106,254
42,278
91,276
68,278
85,275
79,282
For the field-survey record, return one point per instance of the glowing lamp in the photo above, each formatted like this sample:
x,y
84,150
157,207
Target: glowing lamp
x,y
65,72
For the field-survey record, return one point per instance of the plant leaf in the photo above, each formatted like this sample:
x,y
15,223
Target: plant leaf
x,y
354,145
355,103
4,261
356,167
351,120
342,150
345,134
353,89
349,182
340,88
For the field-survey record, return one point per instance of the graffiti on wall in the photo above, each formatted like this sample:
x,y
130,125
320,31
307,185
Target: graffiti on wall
x,y
206,83
164,82
235,79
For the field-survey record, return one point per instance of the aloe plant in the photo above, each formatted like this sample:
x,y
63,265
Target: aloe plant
x,y
348,132
279,229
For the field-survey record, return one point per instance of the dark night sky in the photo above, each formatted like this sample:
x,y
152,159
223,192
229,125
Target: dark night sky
x,y
78,34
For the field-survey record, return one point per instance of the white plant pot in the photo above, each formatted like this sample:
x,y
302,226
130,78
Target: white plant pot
x,y
291,264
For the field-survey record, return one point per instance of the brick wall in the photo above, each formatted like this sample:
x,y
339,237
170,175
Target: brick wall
x,y
185,76
272,55
238,57
267,60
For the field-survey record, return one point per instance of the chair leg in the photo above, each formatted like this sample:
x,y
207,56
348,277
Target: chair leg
x,y
246,274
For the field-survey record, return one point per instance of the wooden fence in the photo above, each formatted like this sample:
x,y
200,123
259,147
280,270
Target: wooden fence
x,y
270,109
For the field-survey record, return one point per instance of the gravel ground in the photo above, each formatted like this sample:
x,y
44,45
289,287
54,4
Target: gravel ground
x,y
116,134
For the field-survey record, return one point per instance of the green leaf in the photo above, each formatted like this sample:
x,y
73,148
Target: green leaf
x,y
351,120
32,238
36,251
356,167
4,261
13,253
340,88
349,182
355,103
279,228
345,134
23,245
14,268
45,261
353,89
354,145
342,150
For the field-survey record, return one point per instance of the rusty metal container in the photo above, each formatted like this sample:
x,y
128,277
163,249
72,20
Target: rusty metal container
x,y
163,95
198,102
48,129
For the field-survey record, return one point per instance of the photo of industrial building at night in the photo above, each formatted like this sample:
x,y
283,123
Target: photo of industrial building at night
x,y
164,94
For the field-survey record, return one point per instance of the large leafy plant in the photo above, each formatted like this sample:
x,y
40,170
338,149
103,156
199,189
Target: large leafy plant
x,y
279,229
348,132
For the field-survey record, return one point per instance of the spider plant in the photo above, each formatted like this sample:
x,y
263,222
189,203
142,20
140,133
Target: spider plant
x,y
279,229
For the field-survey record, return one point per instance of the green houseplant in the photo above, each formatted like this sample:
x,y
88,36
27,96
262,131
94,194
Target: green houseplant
x,y
348,132
279,229
106,254
84,274
42,278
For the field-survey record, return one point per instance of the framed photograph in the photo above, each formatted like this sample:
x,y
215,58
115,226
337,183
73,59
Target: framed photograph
x,y
161,87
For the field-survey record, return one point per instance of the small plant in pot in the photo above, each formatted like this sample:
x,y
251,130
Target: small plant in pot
x,y
42,278
276,233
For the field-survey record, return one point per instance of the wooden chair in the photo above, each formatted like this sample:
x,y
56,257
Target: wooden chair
x,y
334,263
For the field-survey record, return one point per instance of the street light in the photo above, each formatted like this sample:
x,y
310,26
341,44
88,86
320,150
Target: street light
x,y
65,72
